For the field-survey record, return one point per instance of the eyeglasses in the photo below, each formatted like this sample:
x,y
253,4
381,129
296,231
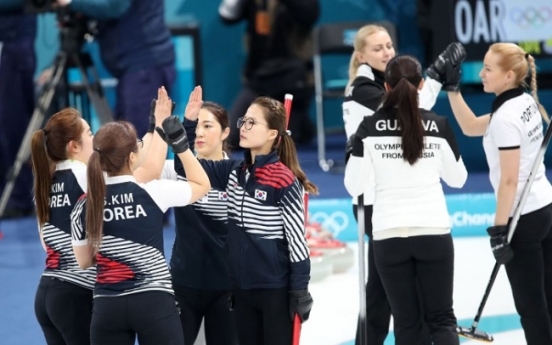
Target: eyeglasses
x,y
249,122
140,143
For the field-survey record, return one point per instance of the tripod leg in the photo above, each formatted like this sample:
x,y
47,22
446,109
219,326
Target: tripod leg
x,y
94,90
36,122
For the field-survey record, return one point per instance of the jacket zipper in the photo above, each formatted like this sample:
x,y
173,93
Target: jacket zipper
x,y
244,233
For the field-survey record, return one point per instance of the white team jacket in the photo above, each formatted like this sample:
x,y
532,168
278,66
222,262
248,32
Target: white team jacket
x,y
364,97
516,123
405,195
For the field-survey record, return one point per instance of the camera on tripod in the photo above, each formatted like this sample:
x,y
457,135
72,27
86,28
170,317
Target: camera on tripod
x,y
74,30
74,27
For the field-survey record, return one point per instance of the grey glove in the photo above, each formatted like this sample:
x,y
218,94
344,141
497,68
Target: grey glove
x,y
453,55
174,134
151,126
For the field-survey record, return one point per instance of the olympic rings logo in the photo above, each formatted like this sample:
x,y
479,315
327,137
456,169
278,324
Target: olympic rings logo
x,y
531,17
336,222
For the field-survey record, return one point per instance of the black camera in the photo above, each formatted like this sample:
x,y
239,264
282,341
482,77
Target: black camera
x,y
39,6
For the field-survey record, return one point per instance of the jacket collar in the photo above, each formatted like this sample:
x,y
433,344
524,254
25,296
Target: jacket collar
x,y
260,160
364,70
506,96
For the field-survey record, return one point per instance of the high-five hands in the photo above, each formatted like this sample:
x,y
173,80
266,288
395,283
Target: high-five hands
x,y
163,106
152,122
194,104
447,67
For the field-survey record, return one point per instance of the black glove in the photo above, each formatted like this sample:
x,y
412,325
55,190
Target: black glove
x,y
152,115
300,302
349,148
453,55
499,244
452,78
174,134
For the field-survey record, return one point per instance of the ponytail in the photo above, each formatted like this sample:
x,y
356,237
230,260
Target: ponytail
x,y
95,201
42,175
404,97
533,71
353,69
288,156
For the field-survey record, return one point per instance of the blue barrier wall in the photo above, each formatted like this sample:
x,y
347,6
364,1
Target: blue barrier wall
x,y
470,215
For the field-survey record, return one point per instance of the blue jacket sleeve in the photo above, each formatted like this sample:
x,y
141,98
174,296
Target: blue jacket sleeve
x,y
190,128
219,171
101,9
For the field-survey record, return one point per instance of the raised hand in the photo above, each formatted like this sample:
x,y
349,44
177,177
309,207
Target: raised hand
x,y
163,106
194,104
451,57
174,134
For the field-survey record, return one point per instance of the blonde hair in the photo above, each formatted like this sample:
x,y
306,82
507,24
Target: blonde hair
x,y
359,44
514,58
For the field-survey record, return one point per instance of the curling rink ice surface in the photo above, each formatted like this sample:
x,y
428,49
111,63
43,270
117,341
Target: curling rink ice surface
x,y
334,315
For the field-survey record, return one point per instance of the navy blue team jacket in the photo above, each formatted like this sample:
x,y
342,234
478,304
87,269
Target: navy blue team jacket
x,y
198,257
266,245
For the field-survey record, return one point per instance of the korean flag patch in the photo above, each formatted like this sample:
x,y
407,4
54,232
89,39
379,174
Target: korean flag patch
x,y
260,194
223,196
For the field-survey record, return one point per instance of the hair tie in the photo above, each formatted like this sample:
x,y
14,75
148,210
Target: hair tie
x,y
526,56
286,132
97,150
44,131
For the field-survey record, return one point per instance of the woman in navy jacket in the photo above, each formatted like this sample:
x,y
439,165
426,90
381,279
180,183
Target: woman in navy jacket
x,y
198,261
268,256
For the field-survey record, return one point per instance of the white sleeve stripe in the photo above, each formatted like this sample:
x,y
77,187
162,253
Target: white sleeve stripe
x,y
429,93
293,216
79,243
77,229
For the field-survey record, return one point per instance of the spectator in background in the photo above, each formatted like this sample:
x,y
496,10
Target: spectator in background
x,y
279,34
17,67
136,48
